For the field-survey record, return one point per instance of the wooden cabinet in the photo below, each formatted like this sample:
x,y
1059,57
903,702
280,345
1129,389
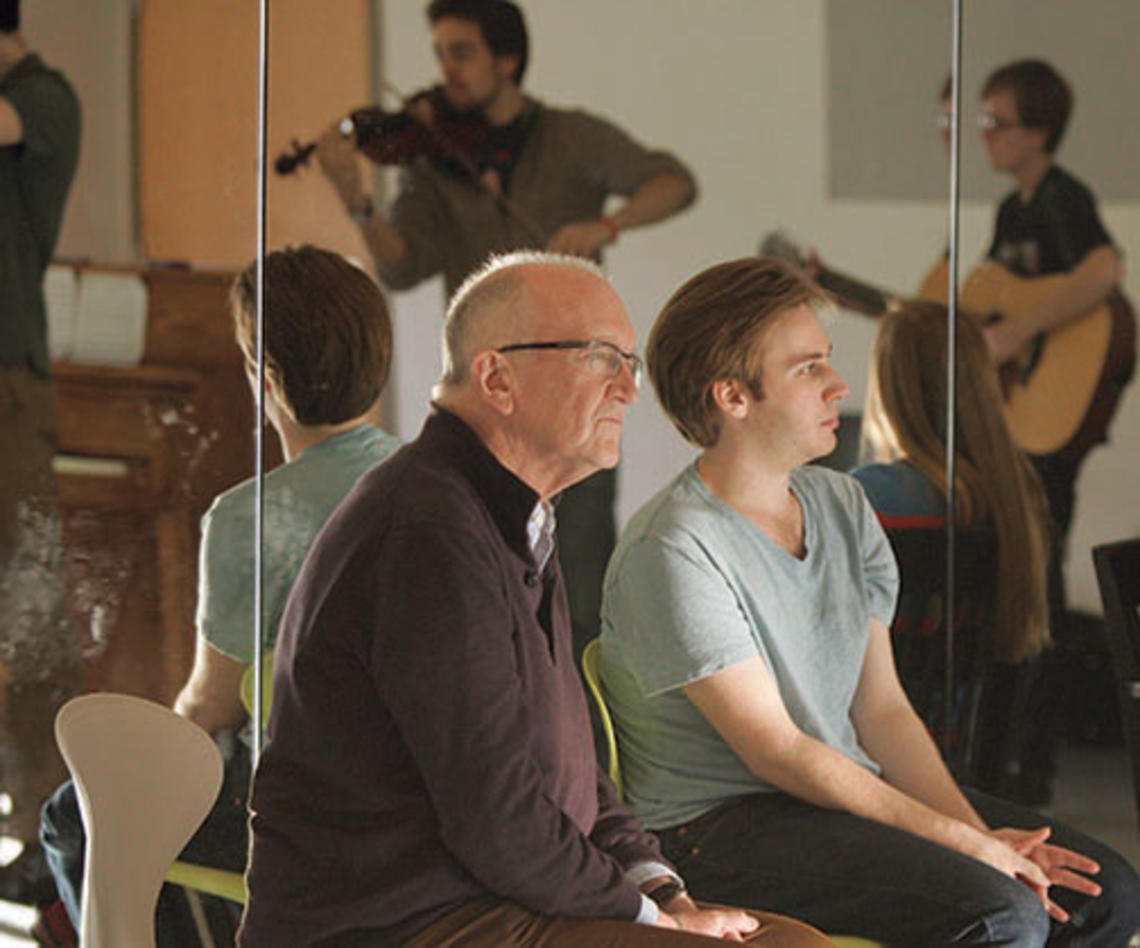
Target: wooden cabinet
x,y
143,451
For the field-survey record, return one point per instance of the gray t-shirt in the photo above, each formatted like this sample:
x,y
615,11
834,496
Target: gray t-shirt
x,y
695,587
299,496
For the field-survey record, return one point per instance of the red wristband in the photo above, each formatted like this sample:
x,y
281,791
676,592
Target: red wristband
x,y
612,226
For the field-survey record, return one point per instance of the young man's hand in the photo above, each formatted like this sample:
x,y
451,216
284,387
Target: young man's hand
x,y
1060,866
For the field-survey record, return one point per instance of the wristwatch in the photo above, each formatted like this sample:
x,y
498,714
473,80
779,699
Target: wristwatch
x,y
667,892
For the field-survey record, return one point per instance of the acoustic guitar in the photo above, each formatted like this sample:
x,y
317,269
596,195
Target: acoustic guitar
x,y
1062,390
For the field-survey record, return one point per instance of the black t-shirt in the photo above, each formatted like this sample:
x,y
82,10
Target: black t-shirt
x,y
1053,232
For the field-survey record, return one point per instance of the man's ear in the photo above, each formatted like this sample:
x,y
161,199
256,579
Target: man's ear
x,y
495,381
506,65
1040,137
731,397
274,388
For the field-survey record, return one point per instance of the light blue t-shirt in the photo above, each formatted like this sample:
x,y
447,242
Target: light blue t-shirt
x,y
299,497
695,587
901,495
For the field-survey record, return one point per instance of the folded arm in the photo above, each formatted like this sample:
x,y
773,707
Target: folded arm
x,y
11,127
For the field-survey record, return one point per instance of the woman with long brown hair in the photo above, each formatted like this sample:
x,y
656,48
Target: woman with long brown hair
x,y
995,485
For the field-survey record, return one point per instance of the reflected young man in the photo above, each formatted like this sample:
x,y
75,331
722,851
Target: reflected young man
x,y
328,348
747,660
429,776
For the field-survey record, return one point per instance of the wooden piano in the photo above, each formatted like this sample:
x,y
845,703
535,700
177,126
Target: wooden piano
x,y
143,450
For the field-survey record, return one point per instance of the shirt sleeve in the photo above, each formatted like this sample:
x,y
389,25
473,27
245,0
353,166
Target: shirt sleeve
x,y
49,114
225,580
1075,224
418,213
678,617
448,673
620,163
618,832
880,571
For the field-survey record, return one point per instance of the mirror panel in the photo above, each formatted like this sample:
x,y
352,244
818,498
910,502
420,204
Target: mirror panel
x,y
154,415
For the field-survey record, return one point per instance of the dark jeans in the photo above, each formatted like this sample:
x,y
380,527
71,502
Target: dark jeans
x,y
1048,703
222,841
847,875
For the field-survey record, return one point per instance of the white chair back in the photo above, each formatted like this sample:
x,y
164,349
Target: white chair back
x,y
145,779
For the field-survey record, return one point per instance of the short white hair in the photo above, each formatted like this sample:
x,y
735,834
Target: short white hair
x,y
481,293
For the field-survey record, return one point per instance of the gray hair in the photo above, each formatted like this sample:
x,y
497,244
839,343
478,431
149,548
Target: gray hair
x,y
492,288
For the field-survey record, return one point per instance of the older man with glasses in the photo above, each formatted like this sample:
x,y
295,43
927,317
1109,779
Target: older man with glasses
x,y
429,774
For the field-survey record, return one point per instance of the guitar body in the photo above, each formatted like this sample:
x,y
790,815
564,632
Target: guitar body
x,y
1063,388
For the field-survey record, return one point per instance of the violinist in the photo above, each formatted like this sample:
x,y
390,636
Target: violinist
x,y
539,179
555,167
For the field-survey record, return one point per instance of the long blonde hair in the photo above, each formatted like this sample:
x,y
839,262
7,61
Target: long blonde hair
x,y
994,482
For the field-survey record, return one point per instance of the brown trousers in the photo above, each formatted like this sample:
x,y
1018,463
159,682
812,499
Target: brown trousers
x,y
490,923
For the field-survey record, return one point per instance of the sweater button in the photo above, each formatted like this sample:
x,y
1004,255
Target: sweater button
x,y
531,578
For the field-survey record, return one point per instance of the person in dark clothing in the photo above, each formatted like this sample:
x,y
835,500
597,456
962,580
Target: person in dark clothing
x,y
429,775
328,347
39,654
1048,225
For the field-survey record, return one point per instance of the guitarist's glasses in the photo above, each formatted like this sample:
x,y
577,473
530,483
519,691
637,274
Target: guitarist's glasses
x,y
988,122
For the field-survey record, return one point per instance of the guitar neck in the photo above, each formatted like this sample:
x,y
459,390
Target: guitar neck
x,y
854,294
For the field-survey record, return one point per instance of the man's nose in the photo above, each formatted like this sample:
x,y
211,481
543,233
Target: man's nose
x,y
837,389
624,385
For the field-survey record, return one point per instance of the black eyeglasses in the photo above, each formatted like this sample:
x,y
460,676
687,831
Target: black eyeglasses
x,y
988,122
601,358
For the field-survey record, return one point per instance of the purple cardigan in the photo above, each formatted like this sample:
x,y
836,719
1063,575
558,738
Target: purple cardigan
x,y
429,742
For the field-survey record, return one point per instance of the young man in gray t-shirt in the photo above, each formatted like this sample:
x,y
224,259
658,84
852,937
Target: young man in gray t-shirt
x,y
747,660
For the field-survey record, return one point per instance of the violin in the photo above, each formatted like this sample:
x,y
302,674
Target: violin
x,y
396,138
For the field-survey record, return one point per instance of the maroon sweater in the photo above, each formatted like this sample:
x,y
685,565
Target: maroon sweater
x,y
429,742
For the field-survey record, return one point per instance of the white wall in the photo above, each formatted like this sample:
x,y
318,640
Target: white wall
x,y
738,90
91,44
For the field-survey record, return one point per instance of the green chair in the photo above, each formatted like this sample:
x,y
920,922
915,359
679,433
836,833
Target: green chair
x,y
222,882
590,671
593,680
246,687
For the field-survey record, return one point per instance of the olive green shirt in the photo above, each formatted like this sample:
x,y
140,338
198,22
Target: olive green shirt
x,y
35,175
569,164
